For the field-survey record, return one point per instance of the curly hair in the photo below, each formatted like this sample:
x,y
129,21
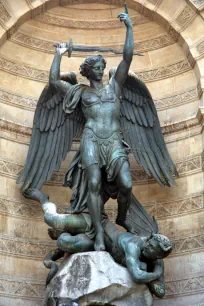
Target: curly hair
x,y
164,242
89,62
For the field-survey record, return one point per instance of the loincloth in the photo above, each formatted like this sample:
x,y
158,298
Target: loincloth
x,y
109,153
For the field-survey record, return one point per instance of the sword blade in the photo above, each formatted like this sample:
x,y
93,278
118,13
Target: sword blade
x,y
99,49
95,49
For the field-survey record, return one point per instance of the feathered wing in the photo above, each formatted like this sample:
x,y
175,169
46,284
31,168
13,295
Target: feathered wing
x,y
52,135
142,224
141,130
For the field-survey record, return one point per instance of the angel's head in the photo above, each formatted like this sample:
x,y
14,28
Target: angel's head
x,y
93,67
157,247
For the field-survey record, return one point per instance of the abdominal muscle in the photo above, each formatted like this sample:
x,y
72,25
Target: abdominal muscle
x,y
103,119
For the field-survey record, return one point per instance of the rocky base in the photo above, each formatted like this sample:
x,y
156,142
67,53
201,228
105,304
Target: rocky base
x,y
93,278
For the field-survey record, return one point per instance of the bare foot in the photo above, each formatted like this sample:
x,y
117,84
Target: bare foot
x,y
36,195
99,242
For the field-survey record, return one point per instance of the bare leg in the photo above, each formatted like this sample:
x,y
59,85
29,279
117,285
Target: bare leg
x,y
36,195
124,183
74,244
49,262
93,174
73,223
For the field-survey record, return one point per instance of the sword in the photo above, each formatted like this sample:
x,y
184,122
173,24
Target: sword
x,y
72,48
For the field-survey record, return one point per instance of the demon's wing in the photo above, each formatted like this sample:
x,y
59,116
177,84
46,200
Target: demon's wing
x,y
52,136
141,223
141,130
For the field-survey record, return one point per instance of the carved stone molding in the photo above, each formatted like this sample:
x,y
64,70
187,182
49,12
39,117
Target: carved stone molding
x,y
164,72
88,24
23,70
31,289
188,244
15,128
20,209
9,97
185,16
169,209
166,102
33,210
25,247
47,46
32,42
190,165
21,134
200,48
198,3
156,3
152,75
176,207
154,43
109,2
188,285
4,15
23,288
30,248
179,126
9,168
179,98
159,210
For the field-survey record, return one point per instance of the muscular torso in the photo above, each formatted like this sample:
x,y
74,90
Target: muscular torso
x,y
102,110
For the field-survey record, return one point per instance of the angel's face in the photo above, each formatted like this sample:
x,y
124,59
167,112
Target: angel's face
x,y
152,250
97,70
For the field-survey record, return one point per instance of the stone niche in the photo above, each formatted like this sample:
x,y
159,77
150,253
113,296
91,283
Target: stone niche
x,y
170,35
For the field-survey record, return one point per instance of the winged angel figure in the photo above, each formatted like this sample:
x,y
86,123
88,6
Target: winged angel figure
x,y
110,120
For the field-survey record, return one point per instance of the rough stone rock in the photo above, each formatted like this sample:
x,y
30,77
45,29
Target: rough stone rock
x,y
94,278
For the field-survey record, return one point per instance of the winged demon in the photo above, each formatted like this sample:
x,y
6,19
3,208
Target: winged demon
x,y
111,120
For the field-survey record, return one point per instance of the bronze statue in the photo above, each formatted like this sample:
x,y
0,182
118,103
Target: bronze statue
x,y
113,119
142,255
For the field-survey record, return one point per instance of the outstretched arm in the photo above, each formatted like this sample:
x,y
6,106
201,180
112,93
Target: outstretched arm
x,y
123,68
54,78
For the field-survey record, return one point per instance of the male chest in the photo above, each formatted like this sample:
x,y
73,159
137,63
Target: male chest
x,y
92,96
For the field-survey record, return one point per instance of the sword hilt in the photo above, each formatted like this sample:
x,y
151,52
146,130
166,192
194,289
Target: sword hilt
x,y
69,46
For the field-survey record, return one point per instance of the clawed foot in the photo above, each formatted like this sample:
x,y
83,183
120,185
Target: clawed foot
x,y
36,195
99,242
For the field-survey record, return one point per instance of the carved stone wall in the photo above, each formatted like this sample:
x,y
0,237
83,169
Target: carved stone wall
x,y
170,35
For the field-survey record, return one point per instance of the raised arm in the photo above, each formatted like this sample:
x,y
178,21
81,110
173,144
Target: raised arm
x,y
54,77
123,68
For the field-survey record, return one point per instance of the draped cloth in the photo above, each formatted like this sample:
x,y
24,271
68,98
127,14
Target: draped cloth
x,y
109,154
73,97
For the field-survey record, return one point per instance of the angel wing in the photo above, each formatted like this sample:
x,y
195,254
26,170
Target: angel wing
x,y
52,136
141,130
142,224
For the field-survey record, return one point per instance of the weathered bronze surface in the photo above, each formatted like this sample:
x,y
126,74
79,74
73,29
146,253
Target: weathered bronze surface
x,y
141,254
111,120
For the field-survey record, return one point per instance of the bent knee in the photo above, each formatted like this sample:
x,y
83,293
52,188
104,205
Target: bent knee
x,y
63,239
94,185
126,186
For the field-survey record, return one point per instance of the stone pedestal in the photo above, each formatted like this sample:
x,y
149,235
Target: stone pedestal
x,y
94,278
